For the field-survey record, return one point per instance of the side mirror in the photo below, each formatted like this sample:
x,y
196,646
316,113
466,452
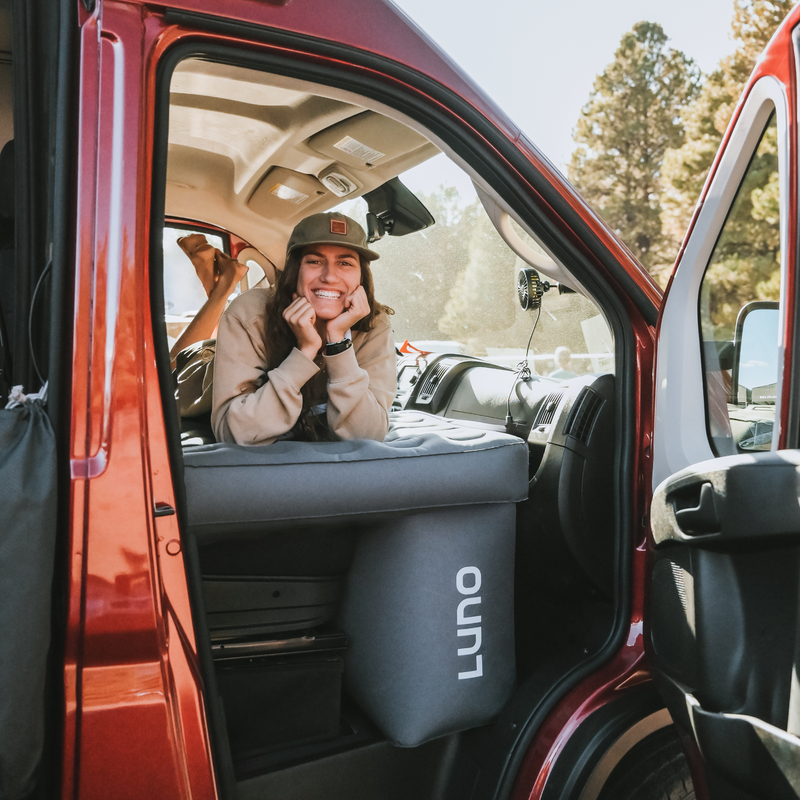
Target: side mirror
x,y
755,360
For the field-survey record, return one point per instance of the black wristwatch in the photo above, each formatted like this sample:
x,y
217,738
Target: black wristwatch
x,y
334,348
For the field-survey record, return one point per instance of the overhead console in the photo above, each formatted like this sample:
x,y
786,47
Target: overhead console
x,y
285,186
257,152
364,141
352,149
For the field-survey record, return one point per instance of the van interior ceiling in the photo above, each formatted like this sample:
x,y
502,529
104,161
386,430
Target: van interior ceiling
x,y
257,156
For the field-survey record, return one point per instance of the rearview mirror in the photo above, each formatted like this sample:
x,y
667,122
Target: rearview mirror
x,y
396,210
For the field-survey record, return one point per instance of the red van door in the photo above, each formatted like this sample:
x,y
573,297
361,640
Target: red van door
x,y
725,516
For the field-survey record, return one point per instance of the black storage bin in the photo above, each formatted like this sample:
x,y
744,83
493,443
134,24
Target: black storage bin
x,y
287,694
269,583
238,606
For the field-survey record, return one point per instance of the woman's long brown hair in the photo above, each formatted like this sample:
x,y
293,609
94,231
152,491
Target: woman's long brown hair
x,y
279,339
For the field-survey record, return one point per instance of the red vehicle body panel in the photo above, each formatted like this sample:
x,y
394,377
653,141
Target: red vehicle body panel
x,y
134,719
134,715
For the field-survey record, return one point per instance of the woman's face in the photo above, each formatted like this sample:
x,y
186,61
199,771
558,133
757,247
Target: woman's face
x,y
328,275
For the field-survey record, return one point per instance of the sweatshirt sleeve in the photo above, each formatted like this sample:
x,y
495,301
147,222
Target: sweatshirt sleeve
x,y
250,406
362,383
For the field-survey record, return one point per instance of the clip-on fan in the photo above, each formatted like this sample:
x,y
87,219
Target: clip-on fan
x,y
530,289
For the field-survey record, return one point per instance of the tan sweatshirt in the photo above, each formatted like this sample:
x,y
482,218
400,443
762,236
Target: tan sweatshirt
x,y
252,406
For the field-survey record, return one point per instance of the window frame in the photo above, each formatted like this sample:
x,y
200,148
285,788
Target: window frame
x,y
517,178
715,442
681,434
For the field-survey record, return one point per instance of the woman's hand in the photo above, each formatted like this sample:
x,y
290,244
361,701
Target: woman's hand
x,y
301,318
356,308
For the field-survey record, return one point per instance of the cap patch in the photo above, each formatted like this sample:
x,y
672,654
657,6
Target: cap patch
x,y
339,226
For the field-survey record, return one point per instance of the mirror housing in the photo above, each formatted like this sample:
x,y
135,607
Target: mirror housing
x,y
755,369
396,210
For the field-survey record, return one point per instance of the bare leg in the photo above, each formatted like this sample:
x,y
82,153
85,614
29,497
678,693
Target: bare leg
x,y
204,324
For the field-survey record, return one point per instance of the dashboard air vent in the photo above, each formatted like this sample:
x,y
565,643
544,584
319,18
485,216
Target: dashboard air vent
x,y
428,388
548,409
583,415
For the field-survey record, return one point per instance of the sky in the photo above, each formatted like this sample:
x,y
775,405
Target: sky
x,y
538,59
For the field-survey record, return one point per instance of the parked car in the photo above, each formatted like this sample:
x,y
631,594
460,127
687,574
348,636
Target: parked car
x,y
580,585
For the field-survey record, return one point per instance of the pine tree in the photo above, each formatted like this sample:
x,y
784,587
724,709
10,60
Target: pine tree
x,y
418,271
745,264
706,117
624,131
482,301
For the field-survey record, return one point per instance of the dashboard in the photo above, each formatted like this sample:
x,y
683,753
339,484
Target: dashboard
x,y
473,390
569,427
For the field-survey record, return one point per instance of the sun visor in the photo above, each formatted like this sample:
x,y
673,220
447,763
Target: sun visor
x,y
366,140
284,192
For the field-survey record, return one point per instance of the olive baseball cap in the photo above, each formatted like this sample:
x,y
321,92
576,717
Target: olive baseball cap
x,y
330,228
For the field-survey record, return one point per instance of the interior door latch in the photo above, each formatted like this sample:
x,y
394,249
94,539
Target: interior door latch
x,y
701,518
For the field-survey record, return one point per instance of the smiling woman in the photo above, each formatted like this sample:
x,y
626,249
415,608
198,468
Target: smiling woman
x,y
312,357
329,281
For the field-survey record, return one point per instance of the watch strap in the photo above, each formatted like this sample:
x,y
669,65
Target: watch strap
x,y
333,349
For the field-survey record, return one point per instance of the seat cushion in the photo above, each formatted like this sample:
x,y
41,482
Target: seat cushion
x,y
424,463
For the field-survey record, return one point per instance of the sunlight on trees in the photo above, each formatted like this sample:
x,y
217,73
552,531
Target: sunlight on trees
x,y
706,118
456,282
648,135
745,264
624,131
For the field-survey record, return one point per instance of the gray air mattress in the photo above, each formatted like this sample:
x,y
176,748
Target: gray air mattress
x,y
428,602
424,463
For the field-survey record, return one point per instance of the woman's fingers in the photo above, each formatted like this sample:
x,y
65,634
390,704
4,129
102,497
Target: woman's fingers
x,y
356,308
298,305
300,317
300,314
359,305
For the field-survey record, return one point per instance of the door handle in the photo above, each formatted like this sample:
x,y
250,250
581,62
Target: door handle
x,y
702,518
750,500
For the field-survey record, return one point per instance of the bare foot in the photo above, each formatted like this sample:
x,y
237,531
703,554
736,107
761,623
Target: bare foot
x,y
229,272
202,256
